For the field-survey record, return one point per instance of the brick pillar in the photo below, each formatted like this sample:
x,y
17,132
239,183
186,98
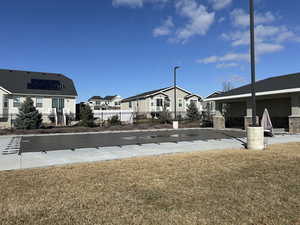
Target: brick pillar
x,y
218,118
294,119
248,117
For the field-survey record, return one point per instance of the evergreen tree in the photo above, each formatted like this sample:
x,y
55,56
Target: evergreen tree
x,y
86,116
193,112
165,116
28,116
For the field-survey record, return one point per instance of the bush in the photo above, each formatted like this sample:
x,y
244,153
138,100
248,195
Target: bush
x,y
193,112
165,116
28,117
114,121
86,116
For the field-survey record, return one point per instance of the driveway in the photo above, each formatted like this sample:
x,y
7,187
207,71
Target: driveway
x,y
77,141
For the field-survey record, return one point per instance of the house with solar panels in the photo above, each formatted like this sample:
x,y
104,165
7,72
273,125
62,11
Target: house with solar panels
x,y
54,96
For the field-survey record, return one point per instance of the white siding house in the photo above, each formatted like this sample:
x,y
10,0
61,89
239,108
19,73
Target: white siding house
x,y
54,95
157,100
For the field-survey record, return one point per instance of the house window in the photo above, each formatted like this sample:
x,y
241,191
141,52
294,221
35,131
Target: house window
x,y
130,104
58,103
159,102
39,102
5,102
180,103
98,103
194,102
17,101
117,103
152,103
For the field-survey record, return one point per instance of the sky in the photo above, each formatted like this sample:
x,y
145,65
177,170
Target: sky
x,y
126,47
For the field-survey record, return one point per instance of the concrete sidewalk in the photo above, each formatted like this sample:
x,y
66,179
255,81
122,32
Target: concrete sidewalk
x,y
39,159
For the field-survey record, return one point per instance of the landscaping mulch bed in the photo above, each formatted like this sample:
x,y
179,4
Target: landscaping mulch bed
x,y
76,129
218,187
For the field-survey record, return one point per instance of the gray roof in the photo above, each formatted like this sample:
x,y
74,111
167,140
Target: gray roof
x,y
270,84
143,95
27,82
95,98
108,97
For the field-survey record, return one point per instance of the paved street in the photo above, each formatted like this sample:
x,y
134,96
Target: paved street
x,y
76,141
51,150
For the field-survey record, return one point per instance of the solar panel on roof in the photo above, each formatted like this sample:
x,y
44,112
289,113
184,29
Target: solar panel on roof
x,y
42,84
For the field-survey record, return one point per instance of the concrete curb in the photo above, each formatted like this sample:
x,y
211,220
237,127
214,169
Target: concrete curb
x,y
117,131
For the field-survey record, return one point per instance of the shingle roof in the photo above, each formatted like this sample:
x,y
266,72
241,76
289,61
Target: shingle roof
x,y
95,98
110,97
270,84
215,94
143,95
27,82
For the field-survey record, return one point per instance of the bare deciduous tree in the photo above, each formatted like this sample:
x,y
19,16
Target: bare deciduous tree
x,y
227,86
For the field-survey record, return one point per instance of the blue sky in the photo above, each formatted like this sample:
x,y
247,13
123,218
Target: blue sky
x,y
129,46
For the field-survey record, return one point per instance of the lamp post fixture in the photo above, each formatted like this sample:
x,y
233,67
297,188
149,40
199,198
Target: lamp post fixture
x,y
255,134
175,69
252,47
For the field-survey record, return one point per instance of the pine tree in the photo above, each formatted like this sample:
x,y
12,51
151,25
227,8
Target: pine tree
x,y
193,112
86,116
28,116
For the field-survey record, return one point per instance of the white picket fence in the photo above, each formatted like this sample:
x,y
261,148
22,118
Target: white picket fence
x,y
125,116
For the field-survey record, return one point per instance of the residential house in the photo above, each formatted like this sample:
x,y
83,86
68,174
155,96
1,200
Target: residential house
x,y
54,95
209,106
280,95
106,103
156,100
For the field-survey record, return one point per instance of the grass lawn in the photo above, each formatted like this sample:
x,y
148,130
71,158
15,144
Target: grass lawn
x,y
217,187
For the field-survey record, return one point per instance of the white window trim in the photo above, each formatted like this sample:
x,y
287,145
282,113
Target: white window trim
x,y
36,102
16,97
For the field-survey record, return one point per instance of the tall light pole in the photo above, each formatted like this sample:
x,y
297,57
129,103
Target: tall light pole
x,y
175,69
252,47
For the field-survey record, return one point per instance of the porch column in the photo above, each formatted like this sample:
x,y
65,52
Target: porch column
x,y
294,119
248,117
218,118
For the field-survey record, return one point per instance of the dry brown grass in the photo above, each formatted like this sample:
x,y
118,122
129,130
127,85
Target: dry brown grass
x,y
221,187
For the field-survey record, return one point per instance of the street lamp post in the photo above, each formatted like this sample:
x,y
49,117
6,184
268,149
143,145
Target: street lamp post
x,y
252,47
175,106
255,134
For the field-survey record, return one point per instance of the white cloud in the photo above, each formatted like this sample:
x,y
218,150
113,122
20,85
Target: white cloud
x,y
135,3
199,19
241,18
221,19
165,28
235,57
229,57
220,4
130,3
265,48
263,33
211,59
226,65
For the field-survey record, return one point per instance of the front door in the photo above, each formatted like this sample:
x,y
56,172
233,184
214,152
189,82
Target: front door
x,y
59,105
